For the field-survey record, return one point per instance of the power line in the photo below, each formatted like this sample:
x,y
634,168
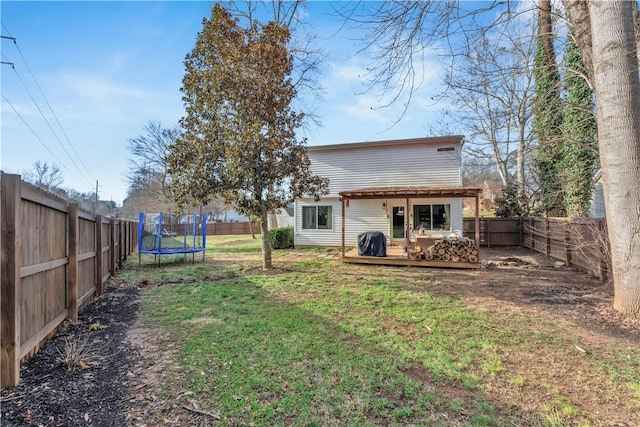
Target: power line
x,y
33,132
49,124
50,108
84,176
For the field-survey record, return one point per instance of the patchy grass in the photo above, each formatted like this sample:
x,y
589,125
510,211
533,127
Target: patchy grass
x,y
316,342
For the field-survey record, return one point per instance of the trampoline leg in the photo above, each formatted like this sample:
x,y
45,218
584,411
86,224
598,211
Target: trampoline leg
x,y
193,257
139,259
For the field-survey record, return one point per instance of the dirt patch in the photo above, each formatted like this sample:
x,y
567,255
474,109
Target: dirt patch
x,y
115,381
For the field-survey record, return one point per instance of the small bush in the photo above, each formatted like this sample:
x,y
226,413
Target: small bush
x,y
281,238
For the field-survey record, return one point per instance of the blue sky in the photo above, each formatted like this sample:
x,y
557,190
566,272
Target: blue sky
x,y
107,68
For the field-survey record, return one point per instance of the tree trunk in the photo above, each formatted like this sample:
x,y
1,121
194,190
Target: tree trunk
x,y
273,217
580,22
617,88
546,31
266,243
636,27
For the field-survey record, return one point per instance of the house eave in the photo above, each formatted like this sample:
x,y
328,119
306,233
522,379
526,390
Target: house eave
x,y
434,140
409,192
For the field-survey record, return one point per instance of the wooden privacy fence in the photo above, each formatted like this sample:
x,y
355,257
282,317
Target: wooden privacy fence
x,y
495,231
55,258
218,228
578,242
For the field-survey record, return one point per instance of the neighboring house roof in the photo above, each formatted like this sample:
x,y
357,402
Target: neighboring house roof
x,y
452,139
401,192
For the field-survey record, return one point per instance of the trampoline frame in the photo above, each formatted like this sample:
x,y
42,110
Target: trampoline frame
x,y
158,232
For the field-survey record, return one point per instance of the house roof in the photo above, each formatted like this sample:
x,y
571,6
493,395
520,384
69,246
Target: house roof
x,y
405,192
452,139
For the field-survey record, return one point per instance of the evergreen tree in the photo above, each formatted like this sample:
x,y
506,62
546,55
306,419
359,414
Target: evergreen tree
x,y
239,141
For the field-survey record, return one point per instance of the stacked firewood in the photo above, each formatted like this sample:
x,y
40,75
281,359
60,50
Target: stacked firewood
x,y
455,249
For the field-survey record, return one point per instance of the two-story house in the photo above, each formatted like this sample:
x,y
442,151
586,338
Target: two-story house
x,y
398,187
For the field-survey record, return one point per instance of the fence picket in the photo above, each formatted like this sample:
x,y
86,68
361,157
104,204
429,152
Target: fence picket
x,y
52,262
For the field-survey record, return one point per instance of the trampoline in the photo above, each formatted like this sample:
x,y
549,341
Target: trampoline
x,y
160,234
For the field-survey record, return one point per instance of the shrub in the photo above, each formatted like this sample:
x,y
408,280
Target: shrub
x,y
281,238
511,205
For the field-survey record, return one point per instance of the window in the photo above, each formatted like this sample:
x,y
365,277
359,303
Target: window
x,y
317,218
432,217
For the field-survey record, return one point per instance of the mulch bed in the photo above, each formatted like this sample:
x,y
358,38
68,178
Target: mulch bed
x,y
81,376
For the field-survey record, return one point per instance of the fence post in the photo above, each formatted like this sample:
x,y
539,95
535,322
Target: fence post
x,y
72,267
99,266
112,247
547,237
531,233
120,245
125,238
604,273
567,245
10,194
521,225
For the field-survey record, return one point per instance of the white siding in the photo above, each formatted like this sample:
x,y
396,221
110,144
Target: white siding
x,y
333,237
387,165
360,216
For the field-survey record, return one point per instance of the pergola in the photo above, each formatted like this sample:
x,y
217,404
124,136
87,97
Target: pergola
x,y
408,193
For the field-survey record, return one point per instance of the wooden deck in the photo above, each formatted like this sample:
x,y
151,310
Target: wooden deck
x,y
396,257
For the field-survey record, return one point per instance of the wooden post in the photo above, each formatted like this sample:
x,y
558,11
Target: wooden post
x,y
521,225
342,225
407,226
99,266
532,238
604,273
477,228
120,249
125,238
547,237
72,267
567,246
10,194
112,247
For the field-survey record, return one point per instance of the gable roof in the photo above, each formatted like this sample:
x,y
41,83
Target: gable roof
x,y
443,140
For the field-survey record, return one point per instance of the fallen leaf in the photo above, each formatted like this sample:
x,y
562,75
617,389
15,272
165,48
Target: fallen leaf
x,y
96,326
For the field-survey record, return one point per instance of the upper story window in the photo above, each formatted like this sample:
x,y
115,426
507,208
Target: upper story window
x,y
317,218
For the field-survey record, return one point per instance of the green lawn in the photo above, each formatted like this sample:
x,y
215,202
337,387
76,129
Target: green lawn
x,y
317,342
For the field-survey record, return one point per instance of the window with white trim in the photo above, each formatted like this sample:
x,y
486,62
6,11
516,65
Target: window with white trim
x,y
317,218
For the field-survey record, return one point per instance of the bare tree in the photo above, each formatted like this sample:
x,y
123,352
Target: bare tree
x,y
46,176
149,157
491,88
399,38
